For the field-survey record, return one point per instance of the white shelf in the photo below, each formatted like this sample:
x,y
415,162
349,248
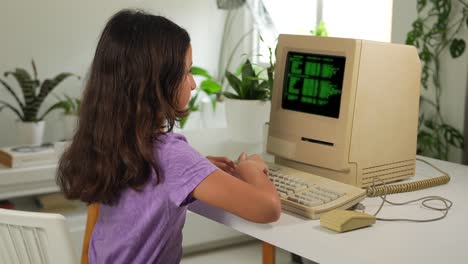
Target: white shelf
x,y
17,182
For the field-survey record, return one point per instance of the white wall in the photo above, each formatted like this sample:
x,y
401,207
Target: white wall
x,y
61,36
454,77
353,19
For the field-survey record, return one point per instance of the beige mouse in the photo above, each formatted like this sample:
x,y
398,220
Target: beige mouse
x,y
346,220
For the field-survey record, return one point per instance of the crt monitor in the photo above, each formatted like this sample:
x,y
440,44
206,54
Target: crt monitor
x,y
345,109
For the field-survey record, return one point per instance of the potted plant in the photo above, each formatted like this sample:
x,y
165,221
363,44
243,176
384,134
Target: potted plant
x,y
208,88
248,106
436,30
71,109
30,123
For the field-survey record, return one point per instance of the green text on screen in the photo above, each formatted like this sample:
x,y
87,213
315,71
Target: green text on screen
x,y
313,83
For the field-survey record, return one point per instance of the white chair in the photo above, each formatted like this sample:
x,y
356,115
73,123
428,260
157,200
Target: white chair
x,y
30,237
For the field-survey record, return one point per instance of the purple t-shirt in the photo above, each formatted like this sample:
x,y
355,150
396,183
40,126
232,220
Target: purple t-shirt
x,y
146,227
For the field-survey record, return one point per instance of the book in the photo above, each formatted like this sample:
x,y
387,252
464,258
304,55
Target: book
x,y
26,156
5,204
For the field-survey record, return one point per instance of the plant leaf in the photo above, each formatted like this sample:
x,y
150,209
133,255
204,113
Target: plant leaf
x,y
58,105
12,108
262,92
10,90
425,142
248,74
452,136
457,47
322,30
47,86
426,54
421,5
270,72
183,121
213,99
235,83
410,38
429,124
34,69
200,72
192,107
210,86
231,95
26,83
261,38
263,86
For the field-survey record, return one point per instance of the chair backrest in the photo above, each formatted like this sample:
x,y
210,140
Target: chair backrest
x,y
31,237
91,219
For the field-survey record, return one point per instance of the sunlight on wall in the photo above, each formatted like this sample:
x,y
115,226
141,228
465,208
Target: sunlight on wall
x,y
361,19
292,16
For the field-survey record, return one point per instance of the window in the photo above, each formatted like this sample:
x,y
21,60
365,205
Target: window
x,y
361,19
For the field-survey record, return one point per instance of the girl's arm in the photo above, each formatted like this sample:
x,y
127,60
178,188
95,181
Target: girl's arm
x,y
251,195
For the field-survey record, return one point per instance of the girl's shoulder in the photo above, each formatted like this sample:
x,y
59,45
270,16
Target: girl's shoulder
x,y
172,145
170,139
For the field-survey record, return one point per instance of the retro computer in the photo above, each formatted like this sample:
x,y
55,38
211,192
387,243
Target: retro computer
x,y
343,112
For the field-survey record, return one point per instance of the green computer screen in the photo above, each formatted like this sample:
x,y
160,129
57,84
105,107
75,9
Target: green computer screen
x,y
313,83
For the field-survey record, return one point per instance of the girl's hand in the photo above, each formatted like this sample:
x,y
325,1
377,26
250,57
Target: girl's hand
x,y
250,162
223,163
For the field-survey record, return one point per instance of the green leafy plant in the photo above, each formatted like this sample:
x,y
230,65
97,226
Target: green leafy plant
x,y
320,30
436,28
209,86
251,86
34,93
70,105
271,67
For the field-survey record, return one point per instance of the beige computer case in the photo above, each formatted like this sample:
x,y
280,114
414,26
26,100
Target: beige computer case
x,y
378,122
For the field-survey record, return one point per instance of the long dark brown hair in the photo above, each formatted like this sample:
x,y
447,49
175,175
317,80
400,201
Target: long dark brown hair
x,y
130,99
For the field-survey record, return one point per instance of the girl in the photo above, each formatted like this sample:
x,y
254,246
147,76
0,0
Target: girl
x,y
125,157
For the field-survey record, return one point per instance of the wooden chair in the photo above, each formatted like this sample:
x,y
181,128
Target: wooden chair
x,y
268,253
91,219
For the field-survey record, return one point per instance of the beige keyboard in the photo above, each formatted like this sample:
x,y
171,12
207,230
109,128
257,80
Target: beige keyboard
x,y
310,195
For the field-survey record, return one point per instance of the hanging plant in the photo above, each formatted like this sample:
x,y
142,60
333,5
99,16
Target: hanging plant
x,y
436,29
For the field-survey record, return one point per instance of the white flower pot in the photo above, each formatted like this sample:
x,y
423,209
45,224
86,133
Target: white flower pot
x,y
246,119
69,126
213,118
30,133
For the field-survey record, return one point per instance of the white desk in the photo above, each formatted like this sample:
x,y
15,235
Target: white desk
x,y
443,241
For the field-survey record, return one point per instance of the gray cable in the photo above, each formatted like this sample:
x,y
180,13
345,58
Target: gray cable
x,y
448,204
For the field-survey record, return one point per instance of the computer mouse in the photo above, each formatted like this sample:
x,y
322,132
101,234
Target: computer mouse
x,y
346,220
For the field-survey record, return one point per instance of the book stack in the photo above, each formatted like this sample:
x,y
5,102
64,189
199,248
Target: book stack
x,y
27,156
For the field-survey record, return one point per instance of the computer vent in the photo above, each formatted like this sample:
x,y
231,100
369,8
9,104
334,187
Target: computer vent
x,y
388,172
